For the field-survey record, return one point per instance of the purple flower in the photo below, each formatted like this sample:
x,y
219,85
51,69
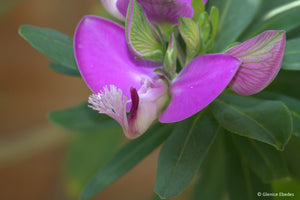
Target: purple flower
x,y
120,83
158,11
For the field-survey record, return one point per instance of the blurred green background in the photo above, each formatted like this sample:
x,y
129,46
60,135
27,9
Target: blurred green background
x,y
33,151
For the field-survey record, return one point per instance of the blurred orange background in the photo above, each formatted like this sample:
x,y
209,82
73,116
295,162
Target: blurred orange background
x,y
32,150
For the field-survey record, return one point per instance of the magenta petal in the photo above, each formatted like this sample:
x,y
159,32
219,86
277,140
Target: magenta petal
x,y
161,10
198,84
122,6
103,57
261,59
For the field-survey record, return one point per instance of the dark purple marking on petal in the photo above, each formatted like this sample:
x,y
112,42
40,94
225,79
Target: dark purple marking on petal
x,y
134,105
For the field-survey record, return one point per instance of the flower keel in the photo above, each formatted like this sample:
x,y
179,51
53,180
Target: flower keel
x,y
146,105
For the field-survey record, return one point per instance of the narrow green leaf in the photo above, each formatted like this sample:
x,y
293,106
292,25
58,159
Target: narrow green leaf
x,y
199,7
88,152
274,15
204,27
57,46
242,183
189,31
142,38
63,70
126,159
182,154
204,31
170,60
262,120
235,16
291,59
292,103
211,183
264,160
81,118
214,18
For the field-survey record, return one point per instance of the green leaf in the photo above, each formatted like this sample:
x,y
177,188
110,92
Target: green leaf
x,y
274,15
262,120
291,154
288,186
81,118
57,46
198,7
182,154
204,26
292,103
286,82
211,183
142,38
204,30
63,70
214,18
293,34
190,33
264,160
291,59
126,159
170,59
235,16
242,183
88,152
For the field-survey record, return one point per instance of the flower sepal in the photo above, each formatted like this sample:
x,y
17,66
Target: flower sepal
x,y
143,39
171,58
189,31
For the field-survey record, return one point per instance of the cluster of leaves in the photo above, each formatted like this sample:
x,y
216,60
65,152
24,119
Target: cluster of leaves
x,y
237,146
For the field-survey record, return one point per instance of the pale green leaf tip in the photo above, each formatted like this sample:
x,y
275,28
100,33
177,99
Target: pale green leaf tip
x,y
20,30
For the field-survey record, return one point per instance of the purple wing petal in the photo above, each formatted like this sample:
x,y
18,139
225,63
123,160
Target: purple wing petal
x,y
261,59
122,6
161,10
204,78
103,57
